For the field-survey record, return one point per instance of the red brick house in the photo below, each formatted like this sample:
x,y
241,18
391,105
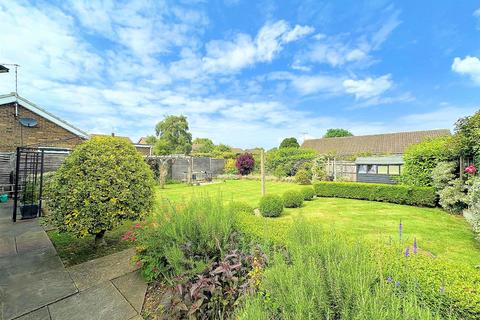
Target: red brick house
x,y
23,123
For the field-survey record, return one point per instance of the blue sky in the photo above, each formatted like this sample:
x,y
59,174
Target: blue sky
x,y
246,73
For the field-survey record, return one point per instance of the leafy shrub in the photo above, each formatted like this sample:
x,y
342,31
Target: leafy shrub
x,y
443,174
245,163
420,159
327,277
289,143
212,294
286,161
417,196
472,214
183,240
230,167
308,193
101,183
319,168
292,199
303,177
197,260
450,288
271,206
453,197
467,137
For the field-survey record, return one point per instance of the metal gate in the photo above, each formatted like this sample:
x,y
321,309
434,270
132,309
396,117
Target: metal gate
x,y
28,180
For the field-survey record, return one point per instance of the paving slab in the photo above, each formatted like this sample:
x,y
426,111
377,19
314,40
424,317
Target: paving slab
x,y
28,264
133,288
34,241
92,272
40,314
102,302
7,246
24,293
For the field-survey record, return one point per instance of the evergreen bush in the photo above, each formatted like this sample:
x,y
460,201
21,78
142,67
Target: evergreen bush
x,y
271,205
101,183
292,199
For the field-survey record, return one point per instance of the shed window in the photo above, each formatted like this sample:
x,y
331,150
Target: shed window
x,y
362,168
382,169
394,170
372,169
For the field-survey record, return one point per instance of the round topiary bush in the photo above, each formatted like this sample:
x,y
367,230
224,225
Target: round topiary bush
x,y
292,199
101,183
308,193
271,206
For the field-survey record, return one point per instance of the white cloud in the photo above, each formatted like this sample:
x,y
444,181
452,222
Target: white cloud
x,y
338,50
469,66
297,33
369,87
230,56
476,13
443,117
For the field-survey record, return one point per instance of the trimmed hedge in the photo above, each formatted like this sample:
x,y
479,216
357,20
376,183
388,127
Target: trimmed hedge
x,y
401,194
292,199
271,205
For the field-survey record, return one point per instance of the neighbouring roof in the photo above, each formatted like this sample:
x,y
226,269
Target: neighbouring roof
x,y
12,97
388,143
142,140
380,160
110,135
3,68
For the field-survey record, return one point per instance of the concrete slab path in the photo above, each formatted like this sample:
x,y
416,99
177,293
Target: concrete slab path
x,y
34,284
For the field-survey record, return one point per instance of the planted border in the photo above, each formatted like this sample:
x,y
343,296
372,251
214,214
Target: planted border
x,y
415,196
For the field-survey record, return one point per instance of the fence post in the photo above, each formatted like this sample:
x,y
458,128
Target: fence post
x,y
262,170
334,170
15,195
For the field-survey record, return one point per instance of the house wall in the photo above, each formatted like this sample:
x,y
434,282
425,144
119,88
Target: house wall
x,y
45,134
143,150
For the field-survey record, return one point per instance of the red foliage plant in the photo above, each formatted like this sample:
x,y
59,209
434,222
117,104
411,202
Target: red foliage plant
x,y
245,163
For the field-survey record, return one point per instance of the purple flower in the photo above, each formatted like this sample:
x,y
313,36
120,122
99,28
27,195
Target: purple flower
x,y
397,284
400,230
415,247
389,280
442,289
407,252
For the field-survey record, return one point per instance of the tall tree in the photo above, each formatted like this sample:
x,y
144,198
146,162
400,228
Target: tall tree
x,y
337,132
205,145
173,136
289,143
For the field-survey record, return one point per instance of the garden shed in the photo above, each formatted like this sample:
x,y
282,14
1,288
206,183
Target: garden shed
x,y
379,169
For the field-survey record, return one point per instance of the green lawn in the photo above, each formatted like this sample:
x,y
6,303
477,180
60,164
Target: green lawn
x,y
444,235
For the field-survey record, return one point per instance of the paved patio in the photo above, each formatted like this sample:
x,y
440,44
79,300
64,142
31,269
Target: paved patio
x,y
34,284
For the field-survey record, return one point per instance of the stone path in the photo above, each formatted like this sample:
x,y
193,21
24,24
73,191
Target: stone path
x,y
34,284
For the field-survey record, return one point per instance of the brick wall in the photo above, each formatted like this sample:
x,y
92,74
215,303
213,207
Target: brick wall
x,y
45,134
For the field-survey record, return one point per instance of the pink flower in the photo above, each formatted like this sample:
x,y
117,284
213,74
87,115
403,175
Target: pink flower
x,y
137,226
139,263
471,169
127,235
